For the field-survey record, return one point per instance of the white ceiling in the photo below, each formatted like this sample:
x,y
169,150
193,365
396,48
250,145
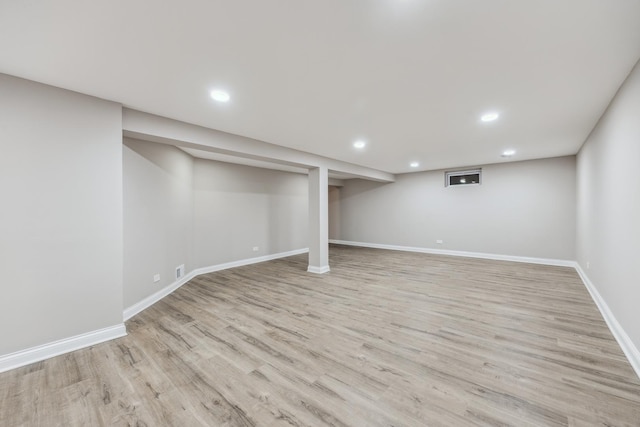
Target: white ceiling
x,y
411,77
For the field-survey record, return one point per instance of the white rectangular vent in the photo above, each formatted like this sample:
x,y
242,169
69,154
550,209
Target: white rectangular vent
x,y
466,177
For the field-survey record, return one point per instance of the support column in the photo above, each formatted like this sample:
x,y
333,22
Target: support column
x,y
318,220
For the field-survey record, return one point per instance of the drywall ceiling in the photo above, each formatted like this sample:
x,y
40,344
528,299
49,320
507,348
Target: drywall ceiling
x,y
410,77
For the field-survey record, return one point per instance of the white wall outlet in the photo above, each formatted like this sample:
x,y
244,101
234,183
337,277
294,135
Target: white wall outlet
x,y
255,249
439,241
179,271
588,265
156,278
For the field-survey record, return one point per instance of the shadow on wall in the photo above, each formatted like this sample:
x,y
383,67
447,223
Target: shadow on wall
x,y
215,176
359,186
169,160
335,225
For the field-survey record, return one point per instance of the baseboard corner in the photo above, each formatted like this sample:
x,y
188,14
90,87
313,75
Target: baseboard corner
x,y
624,341
318,270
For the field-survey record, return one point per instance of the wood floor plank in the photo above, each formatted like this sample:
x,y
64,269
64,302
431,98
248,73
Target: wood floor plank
x,y
384,339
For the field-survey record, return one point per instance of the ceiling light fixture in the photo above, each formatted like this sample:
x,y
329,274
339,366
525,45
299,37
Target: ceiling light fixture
x,y
489,117
414,164
220,95
359,144
508,153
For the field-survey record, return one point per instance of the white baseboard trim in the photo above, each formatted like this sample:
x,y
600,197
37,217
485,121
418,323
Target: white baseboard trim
x,y
56,348
318,270
66,345
131,311
136,308
529,260
629,349
240,263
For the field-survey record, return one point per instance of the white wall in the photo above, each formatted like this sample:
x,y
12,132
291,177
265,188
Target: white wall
x,y
201,213
158,216
334,212
608,217
61,214
522,209
239,207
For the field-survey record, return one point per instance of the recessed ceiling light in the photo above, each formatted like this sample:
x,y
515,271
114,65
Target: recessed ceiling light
x,y
508,153
359,144
489,117
220,95
414,164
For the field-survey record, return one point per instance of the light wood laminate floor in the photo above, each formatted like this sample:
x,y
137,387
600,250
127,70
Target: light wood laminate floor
x,y
385,339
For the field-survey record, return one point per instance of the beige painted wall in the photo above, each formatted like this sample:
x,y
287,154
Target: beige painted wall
x,y
158,216
522,208
608,219
61,215
239,207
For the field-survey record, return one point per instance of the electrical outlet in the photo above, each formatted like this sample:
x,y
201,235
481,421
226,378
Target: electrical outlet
x,y
156,278
255,249
439,241
588,265
179,271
